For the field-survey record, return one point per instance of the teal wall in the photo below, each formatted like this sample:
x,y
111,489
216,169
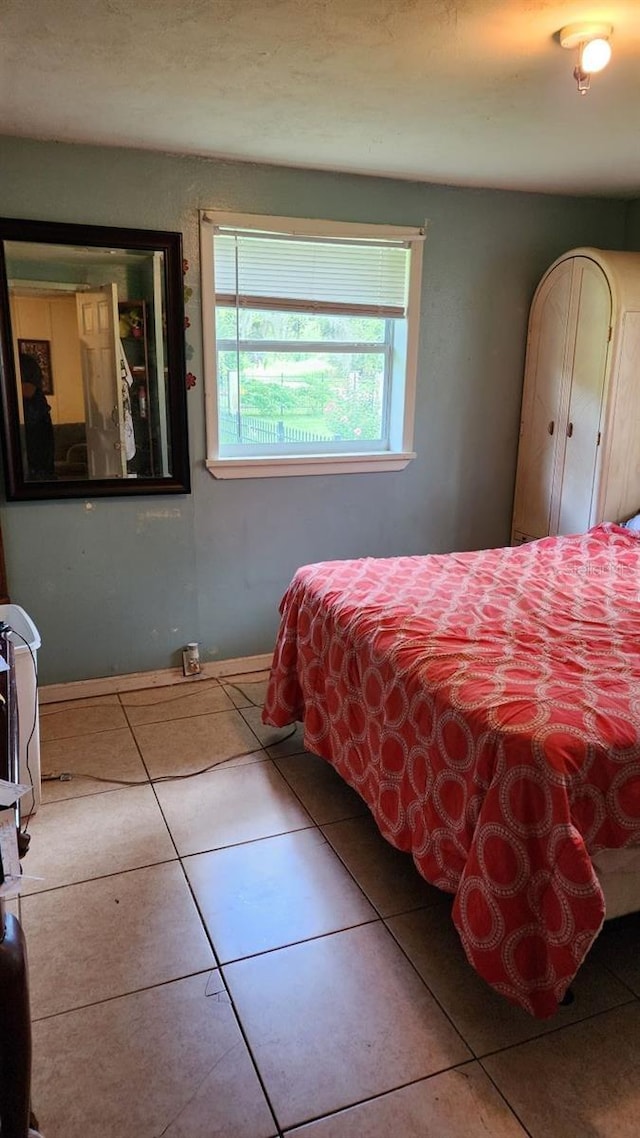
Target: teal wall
x,y
633,225
121,585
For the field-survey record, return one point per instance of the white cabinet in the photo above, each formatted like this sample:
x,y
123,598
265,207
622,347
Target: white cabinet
x,y
579,453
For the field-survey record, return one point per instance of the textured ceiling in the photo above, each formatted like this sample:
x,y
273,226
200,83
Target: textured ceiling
x,y
476,92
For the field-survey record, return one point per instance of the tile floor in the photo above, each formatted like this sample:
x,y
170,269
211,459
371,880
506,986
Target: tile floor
x,y
238,954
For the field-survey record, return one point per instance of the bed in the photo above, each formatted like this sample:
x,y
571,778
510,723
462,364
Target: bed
x,y
486,706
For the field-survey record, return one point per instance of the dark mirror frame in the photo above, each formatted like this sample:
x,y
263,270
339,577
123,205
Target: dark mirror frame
x,y
145,240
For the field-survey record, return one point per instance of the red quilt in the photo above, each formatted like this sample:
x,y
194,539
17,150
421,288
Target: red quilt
x,y
486,706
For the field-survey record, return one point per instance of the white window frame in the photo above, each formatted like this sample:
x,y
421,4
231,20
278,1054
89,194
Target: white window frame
x,y
402,389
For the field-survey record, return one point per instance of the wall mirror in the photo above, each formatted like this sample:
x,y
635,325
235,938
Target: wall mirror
x,y
92,361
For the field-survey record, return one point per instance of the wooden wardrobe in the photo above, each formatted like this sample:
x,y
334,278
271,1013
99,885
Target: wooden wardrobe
x,y
579,452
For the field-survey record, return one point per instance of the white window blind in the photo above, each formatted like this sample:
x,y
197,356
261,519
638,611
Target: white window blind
x,y
311,274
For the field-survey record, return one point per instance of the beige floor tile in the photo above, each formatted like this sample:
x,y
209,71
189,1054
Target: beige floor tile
x,y
167,1061
245,694
274,892
291,744
619,947
157,705
104,938
228,806
242,678
580,1082
455,1104
485,1019
80,717
55,706
108,754
186,745
163,693
338,1019
326,796
88,837
277,740
387,876
12,906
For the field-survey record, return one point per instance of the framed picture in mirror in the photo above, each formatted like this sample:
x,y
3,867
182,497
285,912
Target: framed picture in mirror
x,y
41,352
92,361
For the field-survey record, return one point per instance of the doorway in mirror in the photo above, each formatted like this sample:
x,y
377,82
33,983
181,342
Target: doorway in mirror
x,y
92,354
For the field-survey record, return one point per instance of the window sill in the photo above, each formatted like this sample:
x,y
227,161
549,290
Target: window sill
x,y
287,466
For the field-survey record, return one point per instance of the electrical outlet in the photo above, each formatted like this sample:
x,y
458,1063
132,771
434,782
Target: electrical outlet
x,y
191,660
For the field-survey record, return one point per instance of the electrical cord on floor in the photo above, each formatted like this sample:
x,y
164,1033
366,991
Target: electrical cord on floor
x,y
182,694
67,776
173,699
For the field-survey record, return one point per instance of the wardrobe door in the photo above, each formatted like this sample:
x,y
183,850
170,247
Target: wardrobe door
x,y
545,403
582,427
619,495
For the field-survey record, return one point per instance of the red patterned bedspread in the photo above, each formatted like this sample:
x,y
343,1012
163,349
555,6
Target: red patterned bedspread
x,y
486,706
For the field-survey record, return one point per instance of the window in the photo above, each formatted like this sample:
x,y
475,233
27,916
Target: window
x,y
310,338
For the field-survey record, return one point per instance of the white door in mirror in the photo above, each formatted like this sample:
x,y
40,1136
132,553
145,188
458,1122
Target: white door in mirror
x,y
100,354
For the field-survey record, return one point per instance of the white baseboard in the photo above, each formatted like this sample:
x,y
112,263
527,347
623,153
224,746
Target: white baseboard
x,y
243,666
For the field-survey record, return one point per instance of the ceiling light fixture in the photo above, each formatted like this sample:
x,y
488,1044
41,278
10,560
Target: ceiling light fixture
x,y
594,50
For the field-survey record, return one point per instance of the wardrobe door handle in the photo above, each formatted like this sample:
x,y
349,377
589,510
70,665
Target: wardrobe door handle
x,y
550,427
570,430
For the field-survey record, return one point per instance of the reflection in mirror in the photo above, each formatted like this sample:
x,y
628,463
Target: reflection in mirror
x,y
93,361
91,355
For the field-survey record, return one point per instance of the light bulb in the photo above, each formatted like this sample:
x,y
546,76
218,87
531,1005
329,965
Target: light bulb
x,y
595,55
